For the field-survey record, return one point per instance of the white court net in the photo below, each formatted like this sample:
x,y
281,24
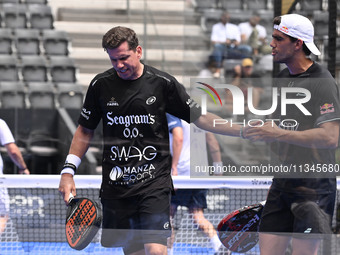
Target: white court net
x,y
37,213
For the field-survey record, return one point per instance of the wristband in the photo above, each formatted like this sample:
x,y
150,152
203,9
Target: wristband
x,y
73,159
71,164
241,133
67,171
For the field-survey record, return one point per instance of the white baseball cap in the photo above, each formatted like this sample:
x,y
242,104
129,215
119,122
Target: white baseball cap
x,y
299,27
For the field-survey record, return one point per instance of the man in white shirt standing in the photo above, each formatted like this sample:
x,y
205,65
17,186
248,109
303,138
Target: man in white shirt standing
x,y
7,140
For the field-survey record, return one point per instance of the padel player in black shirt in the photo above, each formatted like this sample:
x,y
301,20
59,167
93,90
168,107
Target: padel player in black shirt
x,y
300,204
132,100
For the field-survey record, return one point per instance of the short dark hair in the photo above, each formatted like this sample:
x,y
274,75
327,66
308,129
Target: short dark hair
x,y
277,21
117,35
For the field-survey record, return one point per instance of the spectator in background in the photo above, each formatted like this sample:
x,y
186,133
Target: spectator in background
x,y
186,140
255,35
225,39
7,140
244,77
208,70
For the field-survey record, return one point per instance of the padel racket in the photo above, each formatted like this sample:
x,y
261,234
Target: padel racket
x,y
238,231
83,221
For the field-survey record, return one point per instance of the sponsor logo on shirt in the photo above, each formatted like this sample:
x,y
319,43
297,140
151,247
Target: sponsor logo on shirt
x,y
129,119
85,113
327,108
132,174
112,102
192,103
151,100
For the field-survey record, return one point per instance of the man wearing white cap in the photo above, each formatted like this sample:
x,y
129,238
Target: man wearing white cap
x,y
300,206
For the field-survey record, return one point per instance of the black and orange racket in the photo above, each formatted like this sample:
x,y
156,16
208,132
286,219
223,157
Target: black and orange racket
x,y
238,231
83,221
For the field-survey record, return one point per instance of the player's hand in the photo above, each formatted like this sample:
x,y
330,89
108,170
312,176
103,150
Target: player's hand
x,y
174,171
268,132
24,171
67,187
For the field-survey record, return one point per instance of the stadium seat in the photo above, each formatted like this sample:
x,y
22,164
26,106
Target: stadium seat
x,y
256,4
27,41
6,39
62,69
238,16
35,1
70,95
8,68
338,50
34,68
230,5
12,95
14,15
41,95
267,17
40,16
55,42
320,23
10,1
43,148
228,66
201,5
310,6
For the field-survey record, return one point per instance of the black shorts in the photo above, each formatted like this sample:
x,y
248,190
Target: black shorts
x,y
190,198
301,215
133,221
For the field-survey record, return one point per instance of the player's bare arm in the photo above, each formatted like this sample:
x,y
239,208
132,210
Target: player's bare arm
x,y
324,136
177,143
16,156
80,143
212,123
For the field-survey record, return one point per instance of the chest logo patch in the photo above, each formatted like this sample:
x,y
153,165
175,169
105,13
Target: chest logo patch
x,y
151,100
112,102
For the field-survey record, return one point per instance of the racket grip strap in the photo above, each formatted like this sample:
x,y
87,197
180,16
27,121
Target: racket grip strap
x,y
70,197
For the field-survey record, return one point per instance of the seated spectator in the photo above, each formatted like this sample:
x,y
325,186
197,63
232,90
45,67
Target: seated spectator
x,y
208,70
244,77
255,35
225,39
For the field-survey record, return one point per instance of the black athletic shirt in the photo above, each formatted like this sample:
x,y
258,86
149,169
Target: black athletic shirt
x,y
324,107
136,157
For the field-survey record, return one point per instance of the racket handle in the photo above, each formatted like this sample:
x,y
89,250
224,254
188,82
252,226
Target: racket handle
x,y
70,197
